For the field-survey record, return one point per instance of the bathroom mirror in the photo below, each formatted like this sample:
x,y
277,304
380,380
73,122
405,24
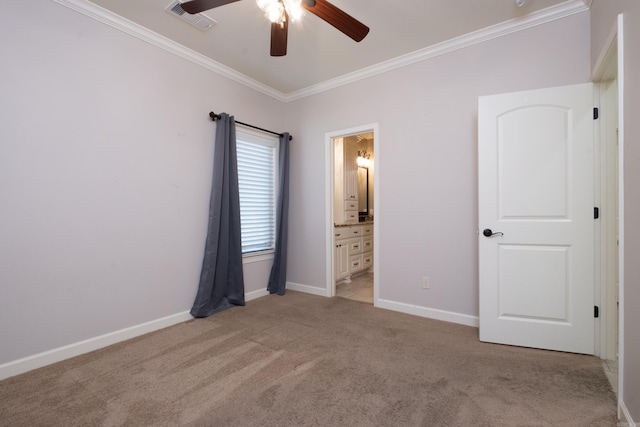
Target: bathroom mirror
x,y
363,191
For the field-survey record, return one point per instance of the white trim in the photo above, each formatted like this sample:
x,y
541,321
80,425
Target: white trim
x,y
377,219
537,18
39,360
330,289
415,310
258,257
621,325
256,294
116,21
313,290
431,313
605,136
625,416
598,229
606,227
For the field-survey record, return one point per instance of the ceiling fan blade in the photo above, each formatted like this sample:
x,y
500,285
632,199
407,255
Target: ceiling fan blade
x,y
338,18
279,33
197,6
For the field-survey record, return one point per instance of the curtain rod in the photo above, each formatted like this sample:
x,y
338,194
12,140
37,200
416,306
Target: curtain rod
x,y
215,117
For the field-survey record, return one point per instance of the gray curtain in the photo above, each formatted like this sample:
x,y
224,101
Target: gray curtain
x,y
221,280
278,276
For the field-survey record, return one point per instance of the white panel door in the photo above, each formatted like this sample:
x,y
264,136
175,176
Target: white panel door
x,y
536,186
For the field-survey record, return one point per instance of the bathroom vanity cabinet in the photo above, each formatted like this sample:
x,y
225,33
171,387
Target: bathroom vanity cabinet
x,y
345,195
353,250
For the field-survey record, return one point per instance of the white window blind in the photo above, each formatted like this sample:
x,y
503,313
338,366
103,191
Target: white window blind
x,y
257,180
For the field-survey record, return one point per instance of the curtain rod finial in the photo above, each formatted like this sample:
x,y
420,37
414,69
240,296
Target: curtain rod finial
x,y
214,116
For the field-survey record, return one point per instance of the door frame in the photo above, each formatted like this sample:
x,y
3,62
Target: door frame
x,y
329,189
612,55
606,198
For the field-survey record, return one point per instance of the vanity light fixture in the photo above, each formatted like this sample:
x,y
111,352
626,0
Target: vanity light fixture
x,y
364,154
364,158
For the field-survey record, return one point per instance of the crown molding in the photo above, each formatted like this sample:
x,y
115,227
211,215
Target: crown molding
x,y
105,16
118,22
537,18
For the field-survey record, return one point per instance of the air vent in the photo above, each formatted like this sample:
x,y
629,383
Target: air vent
x,y
198,20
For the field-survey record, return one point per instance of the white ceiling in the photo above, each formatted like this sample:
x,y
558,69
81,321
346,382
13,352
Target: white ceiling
x,y
317,52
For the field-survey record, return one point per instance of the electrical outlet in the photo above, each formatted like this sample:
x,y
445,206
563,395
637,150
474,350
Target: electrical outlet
x,y
425,283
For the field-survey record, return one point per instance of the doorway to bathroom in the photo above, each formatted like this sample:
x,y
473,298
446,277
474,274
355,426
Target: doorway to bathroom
x,y
352,165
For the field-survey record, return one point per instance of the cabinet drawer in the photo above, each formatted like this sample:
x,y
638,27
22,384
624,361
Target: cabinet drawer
x,y
367,230
350,217
367,244
348,232
351,205
355,263
354,231
367,261
355,246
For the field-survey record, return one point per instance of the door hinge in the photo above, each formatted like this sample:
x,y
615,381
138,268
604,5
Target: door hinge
x,y
596,213
596,311
595,113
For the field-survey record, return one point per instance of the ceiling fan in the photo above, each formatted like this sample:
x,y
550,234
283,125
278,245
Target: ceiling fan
x,y
280,12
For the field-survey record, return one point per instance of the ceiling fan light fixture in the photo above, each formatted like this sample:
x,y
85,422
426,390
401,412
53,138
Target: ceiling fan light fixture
x,y
280,12
275,12
294,9
264,4
275,9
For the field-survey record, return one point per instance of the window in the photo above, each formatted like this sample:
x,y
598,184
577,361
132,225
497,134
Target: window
x,y
258,183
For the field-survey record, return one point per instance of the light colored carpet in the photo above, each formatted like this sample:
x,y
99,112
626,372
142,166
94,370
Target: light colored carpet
x,y
302,360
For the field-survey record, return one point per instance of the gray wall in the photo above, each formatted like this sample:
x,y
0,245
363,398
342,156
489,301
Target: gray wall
x,y
603,20
426,158
105,170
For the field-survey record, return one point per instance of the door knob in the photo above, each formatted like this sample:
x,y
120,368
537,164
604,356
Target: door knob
x,y
488,233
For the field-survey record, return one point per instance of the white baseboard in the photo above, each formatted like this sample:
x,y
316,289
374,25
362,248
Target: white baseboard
x,y
39,360
256,294
307,289
431,313
625,416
